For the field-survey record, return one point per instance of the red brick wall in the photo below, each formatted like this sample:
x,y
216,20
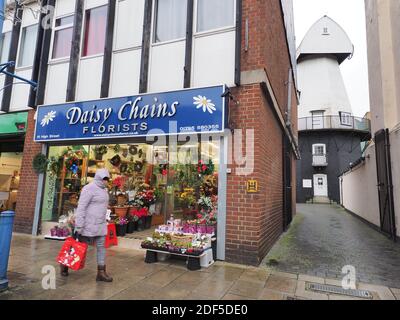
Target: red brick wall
x,y
267,45
26,198
254,221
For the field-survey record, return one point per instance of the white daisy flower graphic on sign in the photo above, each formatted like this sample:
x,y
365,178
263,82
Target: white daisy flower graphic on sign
x,y
202,102
48,118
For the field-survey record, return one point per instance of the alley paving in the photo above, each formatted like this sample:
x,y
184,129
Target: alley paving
x,y
325,238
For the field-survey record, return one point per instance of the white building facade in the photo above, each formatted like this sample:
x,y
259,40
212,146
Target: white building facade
x,y
377,173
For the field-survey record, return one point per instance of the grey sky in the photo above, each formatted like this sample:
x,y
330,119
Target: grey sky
x,y
350,14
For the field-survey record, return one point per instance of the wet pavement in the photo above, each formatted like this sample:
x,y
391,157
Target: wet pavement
x,y
169,280
325,238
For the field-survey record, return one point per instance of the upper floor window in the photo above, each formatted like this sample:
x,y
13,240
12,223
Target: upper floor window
x,y
170,20
346,119
63,37
28,45
319,149
213,14
95,31
5,41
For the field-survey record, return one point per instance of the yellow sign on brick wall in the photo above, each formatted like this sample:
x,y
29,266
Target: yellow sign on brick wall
x,y
252,186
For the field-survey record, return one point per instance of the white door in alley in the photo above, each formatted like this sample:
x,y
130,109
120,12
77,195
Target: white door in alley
x,y
320,185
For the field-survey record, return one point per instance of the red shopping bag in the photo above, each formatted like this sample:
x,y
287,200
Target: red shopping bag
x,y
73,254
111,238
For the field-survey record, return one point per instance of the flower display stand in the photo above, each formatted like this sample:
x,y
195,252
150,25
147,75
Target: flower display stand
x,y
193,262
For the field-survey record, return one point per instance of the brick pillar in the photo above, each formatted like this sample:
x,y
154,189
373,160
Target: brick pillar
x,y
27,192
255,221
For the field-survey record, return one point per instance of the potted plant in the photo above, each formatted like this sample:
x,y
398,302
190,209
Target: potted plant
x,y
187,201
100,151
130,228
121,226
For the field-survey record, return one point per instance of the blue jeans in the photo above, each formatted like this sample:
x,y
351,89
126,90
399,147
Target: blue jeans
x,y
101,249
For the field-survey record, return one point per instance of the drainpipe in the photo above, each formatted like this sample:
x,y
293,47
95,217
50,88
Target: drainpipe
x,y
289,106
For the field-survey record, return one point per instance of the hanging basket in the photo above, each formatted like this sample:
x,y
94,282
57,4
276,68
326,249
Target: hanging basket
x,y
40,163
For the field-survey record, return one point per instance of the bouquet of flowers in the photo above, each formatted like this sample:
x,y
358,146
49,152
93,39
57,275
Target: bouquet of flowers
x,y
118,182
205,169
121,221
206,204
139,213
145,199
72,164
187,199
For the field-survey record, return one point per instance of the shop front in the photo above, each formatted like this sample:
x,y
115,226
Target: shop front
x,y
12,136
164,153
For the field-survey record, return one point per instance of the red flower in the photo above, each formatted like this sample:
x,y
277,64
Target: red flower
x,y
199,216
204,167
164,172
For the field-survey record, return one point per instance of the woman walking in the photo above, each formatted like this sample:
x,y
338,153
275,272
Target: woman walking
x,y
90,221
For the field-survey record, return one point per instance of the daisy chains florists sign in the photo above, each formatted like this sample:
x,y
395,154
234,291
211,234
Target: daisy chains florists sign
x,y
177,112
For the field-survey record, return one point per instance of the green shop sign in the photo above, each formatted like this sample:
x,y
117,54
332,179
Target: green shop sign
x,y
13,123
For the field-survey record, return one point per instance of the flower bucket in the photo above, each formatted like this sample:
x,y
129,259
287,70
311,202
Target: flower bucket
x,y
121,230
130,228
141,224
147,222
120,211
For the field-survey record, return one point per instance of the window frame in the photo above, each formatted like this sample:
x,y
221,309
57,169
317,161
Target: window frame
x,y
154,28
346,119
20,43
2,47
96,55
318,145
53,35
215,30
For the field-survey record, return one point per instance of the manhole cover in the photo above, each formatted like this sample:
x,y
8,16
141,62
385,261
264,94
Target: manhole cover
x,y
338,290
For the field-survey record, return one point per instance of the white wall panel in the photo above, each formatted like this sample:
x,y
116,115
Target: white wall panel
x,y
167,63
2,79
8,25
129,24
64,7
89,78
20,91
125,73
94,3
56,86
31,15
214,60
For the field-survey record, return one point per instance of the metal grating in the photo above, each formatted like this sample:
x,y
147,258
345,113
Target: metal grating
x,y
338,290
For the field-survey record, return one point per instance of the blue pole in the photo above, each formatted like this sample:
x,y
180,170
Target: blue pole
x,y
6,229
2,12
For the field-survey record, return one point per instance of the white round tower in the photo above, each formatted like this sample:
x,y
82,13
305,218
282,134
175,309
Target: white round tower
x,y
323,93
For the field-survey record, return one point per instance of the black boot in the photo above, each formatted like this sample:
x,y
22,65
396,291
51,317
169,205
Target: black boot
x,y
102,275
63,271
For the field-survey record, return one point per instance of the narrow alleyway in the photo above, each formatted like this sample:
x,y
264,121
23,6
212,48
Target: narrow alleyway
x,y
323,239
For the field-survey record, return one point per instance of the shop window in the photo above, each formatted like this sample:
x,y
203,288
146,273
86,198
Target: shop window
x,y
95,31
5,46
27,46
168,184
170,21
63,37
10,168
213,14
